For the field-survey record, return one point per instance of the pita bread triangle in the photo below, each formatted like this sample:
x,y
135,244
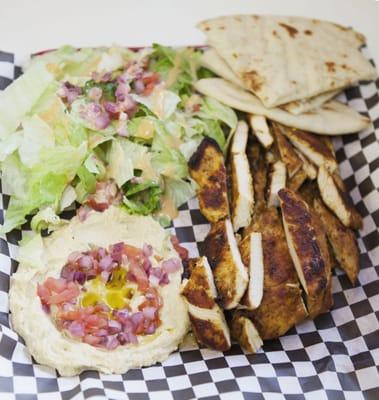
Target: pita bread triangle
x,y
285,59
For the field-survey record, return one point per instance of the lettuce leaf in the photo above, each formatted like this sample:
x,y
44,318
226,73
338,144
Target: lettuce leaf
x,y
179,190
212,109
19,97
141,198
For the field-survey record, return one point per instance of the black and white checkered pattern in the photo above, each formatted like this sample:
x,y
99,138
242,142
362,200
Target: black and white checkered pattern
x,y
334,357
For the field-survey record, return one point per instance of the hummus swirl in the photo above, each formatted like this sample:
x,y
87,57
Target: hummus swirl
x,y
48,344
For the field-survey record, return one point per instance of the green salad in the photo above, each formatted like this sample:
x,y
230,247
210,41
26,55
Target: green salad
x,y
104,126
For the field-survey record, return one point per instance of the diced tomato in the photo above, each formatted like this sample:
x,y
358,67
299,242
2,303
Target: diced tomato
x,y
132,252
68,294
136,271
93,340
183,252
55,285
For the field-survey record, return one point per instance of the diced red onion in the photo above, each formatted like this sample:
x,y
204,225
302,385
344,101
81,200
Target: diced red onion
x,y
69,92
116,252
79,277
74,256
171,265
106,263
101,332
128,104
95,93
149,312
122,91
76,328
112,342
105,276
102,252
106,77
139,86
136,319
150,329
82,213
86,262
112,108
114,326
147,250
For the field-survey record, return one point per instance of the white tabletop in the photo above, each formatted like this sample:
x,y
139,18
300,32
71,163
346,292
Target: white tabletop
x,y
28,26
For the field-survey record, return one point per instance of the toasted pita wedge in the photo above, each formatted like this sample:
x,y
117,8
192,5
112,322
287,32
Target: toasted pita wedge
x,y
230,275
337,200
276,181
244,331
313,147
261,130
343,241
239,140
268,54
242,196
210,327
309,251
287,153
207,169
211,60
310,104
332,118
252,256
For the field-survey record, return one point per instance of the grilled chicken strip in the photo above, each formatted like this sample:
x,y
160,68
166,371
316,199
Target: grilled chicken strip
x,y
313,147
207,318
282,305
230,274
337,199
276,181
244,331
287,153
252,256
240,137
309,251
261,130
242,195
258,170
342,240
207,169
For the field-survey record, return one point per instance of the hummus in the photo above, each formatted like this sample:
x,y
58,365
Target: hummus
x,y
49,345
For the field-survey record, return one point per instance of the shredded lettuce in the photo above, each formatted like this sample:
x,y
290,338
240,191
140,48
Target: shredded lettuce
x,y
18,98
141,198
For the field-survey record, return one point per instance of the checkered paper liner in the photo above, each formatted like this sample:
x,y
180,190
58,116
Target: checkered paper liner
x,y
334,357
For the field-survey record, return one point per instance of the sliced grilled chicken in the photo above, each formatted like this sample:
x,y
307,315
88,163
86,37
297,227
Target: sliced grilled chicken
x,y
282,308
282,305
258,168
244,331
309,251
207,168
261,130
200,289
276,181
242,196
313,147
287,152
240,137
210,327
207,318
337,199
252,256
343,241
297,180
308,167
230,274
